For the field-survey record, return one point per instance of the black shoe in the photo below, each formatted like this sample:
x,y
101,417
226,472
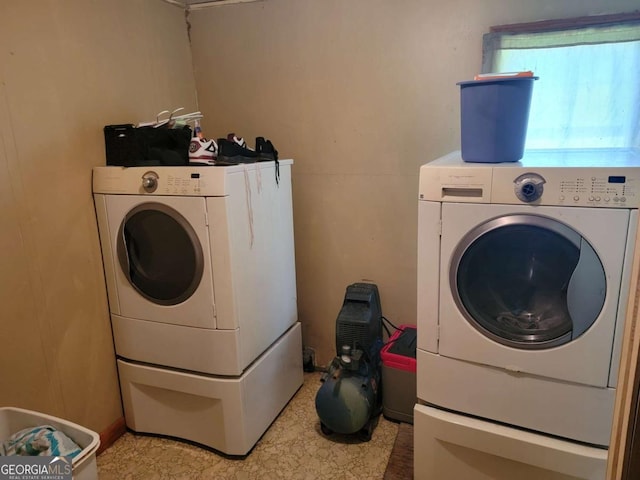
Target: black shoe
x,y
268,153
231,153
265,150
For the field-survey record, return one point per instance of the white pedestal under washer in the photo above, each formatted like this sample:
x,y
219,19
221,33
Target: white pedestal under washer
x,y
199,266
523,279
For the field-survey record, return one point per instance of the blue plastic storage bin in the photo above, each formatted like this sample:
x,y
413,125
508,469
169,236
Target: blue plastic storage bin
x,y
494,116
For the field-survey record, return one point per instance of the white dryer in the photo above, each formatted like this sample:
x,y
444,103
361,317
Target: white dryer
x,y
523,278
199,266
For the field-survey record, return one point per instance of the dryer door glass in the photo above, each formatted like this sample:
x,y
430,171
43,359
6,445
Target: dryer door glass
x,y
527,281
160,254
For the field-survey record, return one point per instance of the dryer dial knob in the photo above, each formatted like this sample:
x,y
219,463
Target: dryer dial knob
x,y
150,182
528,187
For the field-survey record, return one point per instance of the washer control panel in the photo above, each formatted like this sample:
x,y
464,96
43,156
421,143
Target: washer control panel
x,y
570,187
607,178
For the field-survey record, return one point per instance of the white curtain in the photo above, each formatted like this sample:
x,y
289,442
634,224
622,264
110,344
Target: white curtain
x,y
588,92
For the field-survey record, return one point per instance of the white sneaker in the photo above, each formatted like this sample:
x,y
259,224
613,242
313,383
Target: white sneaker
x,y
203,151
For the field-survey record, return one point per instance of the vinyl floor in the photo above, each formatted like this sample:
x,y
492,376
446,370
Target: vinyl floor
x,y
400,466
292,448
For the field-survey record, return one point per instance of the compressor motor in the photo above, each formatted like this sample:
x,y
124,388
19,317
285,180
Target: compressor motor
x,y
349,399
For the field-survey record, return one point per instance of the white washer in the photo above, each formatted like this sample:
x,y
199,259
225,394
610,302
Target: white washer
x,y
199,266
523,278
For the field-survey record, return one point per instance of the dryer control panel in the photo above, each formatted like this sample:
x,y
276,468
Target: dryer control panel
x,y
181,181
198,181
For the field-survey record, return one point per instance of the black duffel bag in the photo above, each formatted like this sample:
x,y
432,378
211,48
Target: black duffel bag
x,y
130,146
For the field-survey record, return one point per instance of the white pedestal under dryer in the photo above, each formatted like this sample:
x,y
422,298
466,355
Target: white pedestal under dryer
x,y
523,283
199,266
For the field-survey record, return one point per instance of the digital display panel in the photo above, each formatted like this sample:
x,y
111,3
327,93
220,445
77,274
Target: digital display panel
x,y
197,175
617,179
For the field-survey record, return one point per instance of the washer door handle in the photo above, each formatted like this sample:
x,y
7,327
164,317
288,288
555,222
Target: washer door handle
x,y
586,290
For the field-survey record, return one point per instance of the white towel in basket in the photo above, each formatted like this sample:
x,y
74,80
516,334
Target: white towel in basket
x,y
43,440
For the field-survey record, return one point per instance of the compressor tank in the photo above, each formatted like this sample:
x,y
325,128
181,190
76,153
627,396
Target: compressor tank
x,y
347,399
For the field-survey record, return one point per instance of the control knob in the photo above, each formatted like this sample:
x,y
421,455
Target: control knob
x,y
528,187
150,182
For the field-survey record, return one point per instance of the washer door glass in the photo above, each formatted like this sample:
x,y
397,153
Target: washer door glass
x,y
527,281
160,254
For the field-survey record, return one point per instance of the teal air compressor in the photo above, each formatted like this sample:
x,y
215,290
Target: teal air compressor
x,y
349,399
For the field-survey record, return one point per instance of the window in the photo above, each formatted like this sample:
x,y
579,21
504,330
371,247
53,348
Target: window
x,y
588,92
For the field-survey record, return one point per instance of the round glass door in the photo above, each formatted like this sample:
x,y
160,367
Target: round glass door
x,y
160,253
527,281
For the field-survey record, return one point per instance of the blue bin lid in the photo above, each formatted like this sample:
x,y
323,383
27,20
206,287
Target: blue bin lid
x,y
496,80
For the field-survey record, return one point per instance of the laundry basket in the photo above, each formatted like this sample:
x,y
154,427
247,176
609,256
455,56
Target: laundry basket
x,y
13,420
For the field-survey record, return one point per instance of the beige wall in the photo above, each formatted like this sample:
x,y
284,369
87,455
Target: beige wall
x,y
360,93
67,68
